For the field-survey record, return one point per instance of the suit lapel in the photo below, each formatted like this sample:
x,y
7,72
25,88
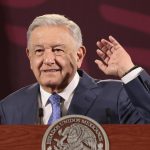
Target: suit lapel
x,y
84,95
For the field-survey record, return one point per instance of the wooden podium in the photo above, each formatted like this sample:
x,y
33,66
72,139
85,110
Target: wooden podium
x,y
121,137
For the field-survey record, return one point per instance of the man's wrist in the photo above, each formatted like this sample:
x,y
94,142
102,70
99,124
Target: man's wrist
x,y
131,75
134,67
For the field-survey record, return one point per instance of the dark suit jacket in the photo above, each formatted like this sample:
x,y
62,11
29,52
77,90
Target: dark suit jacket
x,y
106,101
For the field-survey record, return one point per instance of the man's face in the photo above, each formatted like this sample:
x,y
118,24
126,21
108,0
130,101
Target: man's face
x,y
54,56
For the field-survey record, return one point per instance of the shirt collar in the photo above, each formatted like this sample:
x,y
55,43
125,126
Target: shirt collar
x,y
44,96
65,94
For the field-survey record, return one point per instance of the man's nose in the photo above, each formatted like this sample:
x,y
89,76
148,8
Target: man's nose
x,y
49,57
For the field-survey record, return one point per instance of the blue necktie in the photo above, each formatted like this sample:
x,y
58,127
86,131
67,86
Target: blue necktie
x,y
55,103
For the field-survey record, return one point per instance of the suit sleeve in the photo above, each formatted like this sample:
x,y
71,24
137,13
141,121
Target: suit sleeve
x,y
138,91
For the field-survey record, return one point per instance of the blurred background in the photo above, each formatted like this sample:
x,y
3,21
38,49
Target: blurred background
x,y
128,21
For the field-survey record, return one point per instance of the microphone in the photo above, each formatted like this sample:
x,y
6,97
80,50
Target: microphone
x,y
108,115
41,115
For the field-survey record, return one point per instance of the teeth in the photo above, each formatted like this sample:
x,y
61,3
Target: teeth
x,y
52,70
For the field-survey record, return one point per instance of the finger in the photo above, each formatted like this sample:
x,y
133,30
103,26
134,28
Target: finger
x,y
104,49
113,49
107,46
106,43
101,54
118,47
101,65
99,44
113,40
105,58
109,53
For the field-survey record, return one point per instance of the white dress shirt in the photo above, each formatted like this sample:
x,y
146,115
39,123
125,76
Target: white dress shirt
x,y
66,94
131,75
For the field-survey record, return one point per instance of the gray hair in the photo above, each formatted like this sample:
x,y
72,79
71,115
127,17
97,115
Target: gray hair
x,y
56,19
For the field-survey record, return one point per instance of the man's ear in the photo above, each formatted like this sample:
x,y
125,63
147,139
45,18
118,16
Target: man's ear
x,y
80,55
27,52
28,55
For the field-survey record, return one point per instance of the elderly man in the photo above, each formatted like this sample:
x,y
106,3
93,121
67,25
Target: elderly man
x,y
55,51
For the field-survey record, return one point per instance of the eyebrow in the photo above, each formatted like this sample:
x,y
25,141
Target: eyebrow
x,y
34,46
55,45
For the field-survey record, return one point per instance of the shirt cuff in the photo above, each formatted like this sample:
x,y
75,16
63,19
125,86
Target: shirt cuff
x,y
131,75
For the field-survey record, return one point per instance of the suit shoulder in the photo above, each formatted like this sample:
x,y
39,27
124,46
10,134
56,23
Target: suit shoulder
x,y
89,82
109,82
21,92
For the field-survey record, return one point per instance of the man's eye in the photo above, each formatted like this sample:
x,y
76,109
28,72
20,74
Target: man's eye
x,y
39,51
58,51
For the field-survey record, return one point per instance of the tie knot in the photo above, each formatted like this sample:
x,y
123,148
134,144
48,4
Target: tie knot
x,y
54,99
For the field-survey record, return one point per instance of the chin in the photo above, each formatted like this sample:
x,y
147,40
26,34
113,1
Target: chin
x,y
51,83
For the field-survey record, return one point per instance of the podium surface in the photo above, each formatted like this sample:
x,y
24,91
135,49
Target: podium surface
x,y
29,137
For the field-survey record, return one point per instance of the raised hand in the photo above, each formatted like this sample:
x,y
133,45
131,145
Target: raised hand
x,y
114,60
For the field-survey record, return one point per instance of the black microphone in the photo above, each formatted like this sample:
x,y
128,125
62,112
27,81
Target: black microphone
x,y
41,115
108,115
